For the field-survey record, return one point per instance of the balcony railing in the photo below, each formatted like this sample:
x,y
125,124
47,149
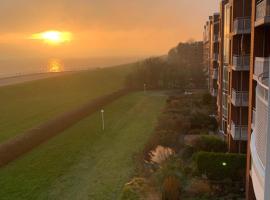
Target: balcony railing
x,y
215,56
262,12
225,112
241,63
239,98
262,65
216,37
242,25
215,74
239,132
253,118
214,92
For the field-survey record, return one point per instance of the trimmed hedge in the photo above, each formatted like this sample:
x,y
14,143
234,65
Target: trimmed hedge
x,y
220,166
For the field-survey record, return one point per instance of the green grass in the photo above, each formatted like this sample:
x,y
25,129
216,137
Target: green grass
x,y
26,105
83,162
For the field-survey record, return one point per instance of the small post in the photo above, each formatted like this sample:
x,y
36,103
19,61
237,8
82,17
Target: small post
x,y
102,119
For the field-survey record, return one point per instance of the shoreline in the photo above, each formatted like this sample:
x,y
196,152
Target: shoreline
x,y
17,79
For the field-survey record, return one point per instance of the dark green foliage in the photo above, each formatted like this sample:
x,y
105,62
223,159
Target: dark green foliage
x,y
209,144
201,121
220,166
187,152
178,70
207,99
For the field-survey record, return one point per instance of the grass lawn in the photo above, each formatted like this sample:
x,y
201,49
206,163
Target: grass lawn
x,y
26,105
85,162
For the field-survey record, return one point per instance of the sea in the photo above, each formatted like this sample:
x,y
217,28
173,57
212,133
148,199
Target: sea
x,y
21,67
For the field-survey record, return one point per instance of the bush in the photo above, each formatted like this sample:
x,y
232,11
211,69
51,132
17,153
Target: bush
x,y
171,168
207,99
136,189
198,188
200,121
171,189
209,143
187,152
195,132
220,166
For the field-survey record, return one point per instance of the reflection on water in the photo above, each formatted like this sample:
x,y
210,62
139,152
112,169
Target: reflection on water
x,y
55,65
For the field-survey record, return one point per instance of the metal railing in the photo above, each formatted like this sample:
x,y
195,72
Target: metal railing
x,y
261,117
239,98
216,37
262,65
214,92
239,132
253,118
215,74
215,56
262,9
242,25
241,63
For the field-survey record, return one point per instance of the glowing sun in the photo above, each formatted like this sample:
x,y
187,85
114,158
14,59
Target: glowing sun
x,y
53,37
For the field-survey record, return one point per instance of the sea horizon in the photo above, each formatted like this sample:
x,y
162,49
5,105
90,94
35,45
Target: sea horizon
x,y
21,67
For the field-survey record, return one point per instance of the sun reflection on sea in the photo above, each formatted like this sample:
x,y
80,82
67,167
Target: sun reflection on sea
x,y
55,65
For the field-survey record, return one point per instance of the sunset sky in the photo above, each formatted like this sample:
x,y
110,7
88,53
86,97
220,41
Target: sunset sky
x,y
100,27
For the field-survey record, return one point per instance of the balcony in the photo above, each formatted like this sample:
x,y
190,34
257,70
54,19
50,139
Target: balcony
x,y
216,38
215,74
261,66
253,118
263,13
214,92
241,63
239,98
242,25
260,138
215,56
224,112
239,132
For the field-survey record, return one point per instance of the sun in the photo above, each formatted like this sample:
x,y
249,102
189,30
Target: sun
x,y
53,37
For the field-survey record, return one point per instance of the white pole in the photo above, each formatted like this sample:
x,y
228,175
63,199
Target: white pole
x,y
102,118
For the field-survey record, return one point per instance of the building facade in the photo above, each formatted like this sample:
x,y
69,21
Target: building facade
x,y
243,96
258,162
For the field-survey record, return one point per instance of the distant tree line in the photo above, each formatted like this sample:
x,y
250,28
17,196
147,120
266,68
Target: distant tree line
x,y
182,68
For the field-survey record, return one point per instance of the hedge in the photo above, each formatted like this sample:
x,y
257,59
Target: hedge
x,y
220,166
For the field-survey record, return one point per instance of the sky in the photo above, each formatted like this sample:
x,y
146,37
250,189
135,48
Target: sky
x,y
101,28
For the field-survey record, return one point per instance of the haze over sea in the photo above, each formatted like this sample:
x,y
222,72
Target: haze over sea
x,y
19,67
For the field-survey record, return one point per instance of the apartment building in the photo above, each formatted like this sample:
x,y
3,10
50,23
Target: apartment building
x,y
258,155
206,51
243,87
211,49
222,102
237,29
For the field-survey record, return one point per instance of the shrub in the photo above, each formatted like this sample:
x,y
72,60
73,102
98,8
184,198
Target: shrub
x,y
172,167
209,143
207,99
187,152
198,188
200,121
160,155
136,189
195,132
220,166
171,189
